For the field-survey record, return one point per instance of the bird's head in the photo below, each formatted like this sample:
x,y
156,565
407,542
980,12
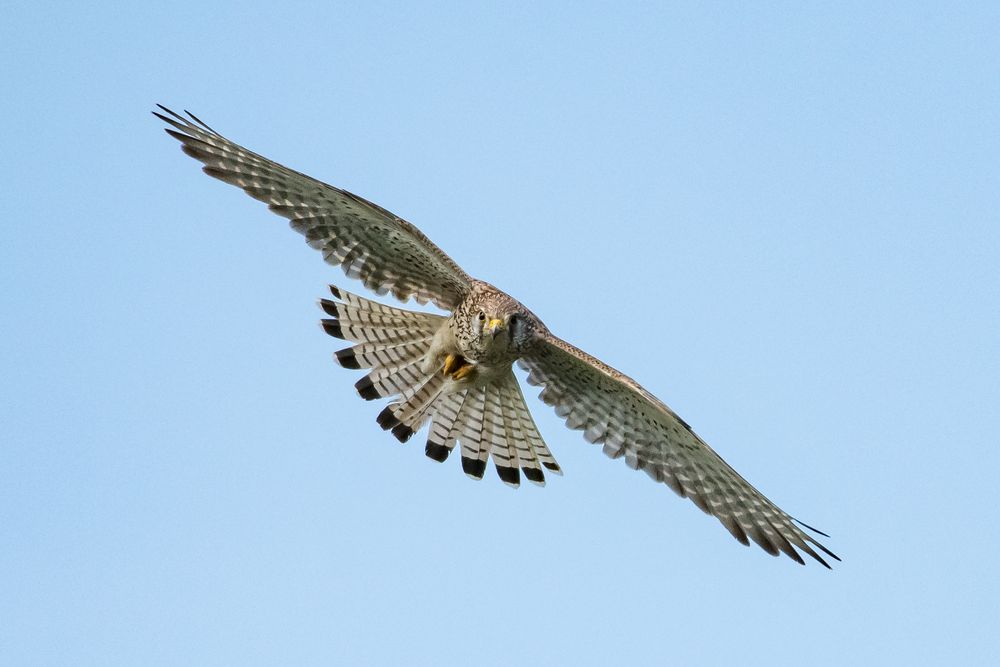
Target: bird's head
x,y
501,325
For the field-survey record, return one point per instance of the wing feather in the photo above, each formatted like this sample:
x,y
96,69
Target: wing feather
x,y
385,252
613,409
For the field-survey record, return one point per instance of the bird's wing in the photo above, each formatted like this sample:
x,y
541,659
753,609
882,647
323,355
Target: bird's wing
x,y
613,409
385,252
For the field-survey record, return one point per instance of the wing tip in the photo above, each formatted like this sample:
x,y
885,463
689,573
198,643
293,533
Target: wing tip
x,y
806,525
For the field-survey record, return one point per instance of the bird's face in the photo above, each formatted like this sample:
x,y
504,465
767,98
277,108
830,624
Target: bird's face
x,y
499,330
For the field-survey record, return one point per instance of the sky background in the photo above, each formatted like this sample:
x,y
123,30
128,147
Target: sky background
x,y
791,211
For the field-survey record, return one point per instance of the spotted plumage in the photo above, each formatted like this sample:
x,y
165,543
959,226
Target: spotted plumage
x,y
455,371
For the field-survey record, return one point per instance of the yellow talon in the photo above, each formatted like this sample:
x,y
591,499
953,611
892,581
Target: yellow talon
x,y
451,363
457,367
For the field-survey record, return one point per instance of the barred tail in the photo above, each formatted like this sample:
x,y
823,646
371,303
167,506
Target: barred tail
x,y
490,420
390,341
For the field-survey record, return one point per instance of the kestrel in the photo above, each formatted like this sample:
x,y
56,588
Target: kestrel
x,y
455,371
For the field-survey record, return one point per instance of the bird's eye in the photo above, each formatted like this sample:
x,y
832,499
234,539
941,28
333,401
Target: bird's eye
x,y
482,316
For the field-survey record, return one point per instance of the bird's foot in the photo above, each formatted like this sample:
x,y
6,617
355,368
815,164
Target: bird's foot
x,y
456,367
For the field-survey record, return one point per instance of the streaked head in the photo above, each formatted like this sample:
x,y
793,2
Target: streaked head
x,y
498,327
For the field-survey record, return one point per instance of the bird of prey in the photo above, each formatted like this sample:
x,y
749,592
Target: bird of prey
x,y
456,371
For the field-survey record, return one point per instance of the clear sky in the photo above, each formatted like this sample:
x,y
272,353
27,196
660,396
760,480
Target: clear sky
x,y
783,221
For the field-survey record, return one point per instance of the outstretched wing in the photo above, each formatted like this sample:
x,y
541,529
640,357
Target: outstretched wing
x,y
385,252
613,409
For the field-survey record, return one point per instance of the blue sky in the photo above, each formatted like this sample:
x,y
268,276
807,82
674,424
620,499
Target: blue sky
x,y
792,211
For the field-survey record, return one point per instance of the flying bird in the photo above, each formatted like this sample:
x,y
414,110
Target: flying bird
x,y
455,371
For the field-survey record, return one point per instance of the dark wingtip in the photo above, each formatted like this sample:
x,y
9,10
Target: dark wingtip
x,y
386,419
179,136
829,553
332,328
819,559
786,547
336,292
734,529
347,358
818,545
402,432
169,112
806,525
473,467
437,452
554,467
366,389
757,534
200,122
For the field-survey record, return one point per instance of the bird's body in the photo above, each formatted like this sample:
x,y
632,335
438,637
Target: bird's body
x,y
455,372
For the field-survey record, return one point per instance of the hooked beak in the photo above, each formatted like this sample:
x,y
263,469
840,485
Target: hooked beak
x,y
495,327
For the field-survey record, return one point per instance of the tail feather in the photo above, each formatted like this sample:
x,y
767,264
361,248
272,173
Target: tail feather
x,y
370,355
413,405
516,434
500,445
390,341
534,438
493,421
366,333
474,454
388,381
362,321
383,318
412,409
489,421
510,440
441,440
